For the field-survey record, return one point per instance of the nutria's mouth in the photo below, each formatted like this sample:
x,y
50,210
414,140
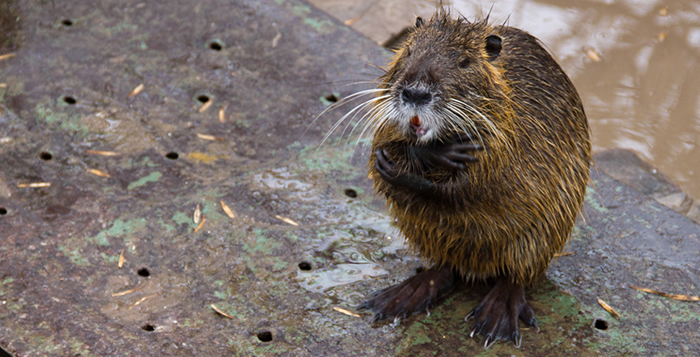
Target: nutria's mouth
x,y
417,127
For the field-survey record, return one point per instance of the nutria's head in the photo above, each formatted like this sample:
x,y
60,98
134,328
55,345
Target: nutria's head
x,y
446,78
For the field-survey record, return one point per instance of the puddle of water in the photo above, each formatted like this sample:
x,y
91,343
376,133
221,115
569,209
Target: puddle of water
x,y
353,255
348,243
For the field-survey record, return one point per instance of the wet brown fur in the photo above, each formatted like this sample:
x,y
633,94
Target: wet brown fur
x,y
507,214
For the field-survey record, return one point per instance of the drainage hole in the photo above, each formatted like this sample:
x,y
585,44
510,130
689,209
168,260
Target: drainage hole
x,y
172,155
331,98
305,266
600,324
203,98
143,272
69,100
3,211
45,156
350,193
148,327
215,46
265,336
67,23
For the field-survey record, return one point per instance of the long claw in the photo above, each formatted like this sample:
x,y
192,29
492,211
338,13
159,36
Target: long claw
x,y
497,315
520,339
415,294
489,341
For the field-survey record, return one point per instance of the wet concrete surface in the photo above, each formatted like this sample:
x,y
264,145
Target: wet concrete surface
x,y
66,101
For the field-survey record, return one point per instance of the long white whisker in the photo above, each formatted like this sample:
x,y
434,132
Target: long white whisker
x,y
491,126
369,102
371,120
342,102
352,113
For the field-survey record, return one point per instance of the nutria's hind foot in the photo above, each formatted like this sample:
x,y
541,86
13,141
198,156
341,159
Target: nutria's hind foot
x,y
497,315
415,294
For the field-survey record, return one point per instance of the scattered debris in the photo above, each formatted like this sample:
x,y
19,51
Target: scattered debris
x,y
222,113
227,210
120,264
197,216
143,299
662,36
562,254
276,40
3,85
209,137
206,105
5,140
34,184
663,11
286,220
103,153
221,312
136,90
204,219
127,292
593,55
349,22
672,296
608,308
6,56
345,311
98,173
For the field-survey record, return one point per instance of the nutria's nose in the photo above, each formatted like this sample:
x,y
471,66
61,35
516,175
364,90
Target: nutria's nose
x,y
417,96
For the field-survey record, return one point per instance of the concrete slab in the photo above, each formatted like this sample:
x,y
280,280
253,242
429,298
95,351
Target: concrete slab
x,y
66,101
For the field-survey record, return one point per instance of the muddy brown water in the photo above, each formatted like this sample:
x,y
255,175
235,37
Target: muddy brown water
x,y
634,63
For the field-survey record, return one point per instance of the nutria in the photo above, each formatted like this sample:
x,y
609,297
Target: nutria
x,y
481,147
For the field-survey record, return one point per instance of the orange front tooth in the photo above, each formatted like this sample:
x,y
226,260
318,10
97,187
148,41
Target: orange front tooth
x,y
415,120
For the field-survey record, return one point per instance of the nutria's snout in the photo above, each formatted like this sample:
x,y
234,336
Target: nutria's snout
x,y
416,103
416,99
416,96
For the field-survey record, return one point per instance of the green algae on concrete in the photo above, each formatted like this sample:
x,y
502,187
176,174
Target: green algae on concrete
x,y
152,177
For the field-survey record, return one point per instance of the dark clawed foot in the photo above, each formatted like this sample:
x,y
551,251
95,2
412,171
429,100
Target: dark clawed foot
x,y
496,317
388,172
415,294
384,165
455,153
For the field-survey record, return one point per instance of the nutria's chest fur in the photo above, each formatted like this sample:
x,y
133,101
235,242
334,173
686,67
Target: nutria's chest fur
x,y
511,209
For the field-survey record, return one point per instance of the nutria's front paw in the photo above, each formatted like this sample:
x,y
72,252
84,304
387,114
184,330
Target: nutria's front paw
x,y
496,317
455,153
415,294
389,173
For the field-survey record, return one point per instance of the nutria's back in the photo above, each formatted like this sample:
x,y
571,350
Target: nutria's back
x,y
510,211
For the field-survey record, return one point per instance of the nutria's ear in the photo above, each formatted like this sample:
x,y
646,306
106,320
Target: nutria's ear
x,y
493,46
419,22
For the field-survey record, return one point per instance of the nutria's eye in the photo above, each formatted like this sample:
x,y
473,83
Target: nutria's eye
x,y
493,46
419,22
464,63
